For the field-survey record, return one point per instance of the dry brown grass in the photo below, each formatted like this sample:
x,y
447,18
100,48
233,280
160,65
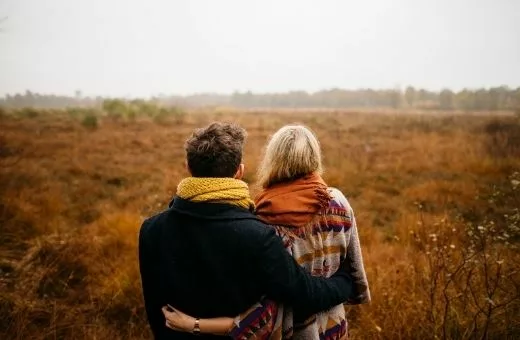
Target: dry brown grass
x,y
436,199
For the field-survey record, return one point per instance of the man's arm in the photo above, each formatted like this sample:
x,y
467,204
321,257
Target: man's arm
x,y
287,282
149,281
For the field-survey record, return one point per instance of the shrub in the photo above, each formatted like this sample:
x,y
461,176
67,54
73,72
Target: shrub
x,y
115,108
145,108
178,114
471,280
28,112
503,138
90,121
161,116
74,112
78,112
131,114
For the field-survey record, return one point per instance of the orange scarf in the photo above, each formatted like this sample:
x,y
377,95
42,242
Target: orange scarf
x,y
295,204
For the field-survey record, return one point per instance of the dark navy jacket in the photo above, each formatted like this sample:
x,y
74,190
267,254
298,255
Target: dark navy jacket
x,y
209,260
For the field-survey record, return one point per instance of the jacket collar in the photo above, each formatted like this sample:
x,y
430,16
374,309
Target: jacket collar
x,y
210,211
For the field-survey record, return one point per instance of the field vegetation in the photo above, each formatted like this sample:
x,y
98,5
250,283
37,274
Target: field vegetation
x,y
436,197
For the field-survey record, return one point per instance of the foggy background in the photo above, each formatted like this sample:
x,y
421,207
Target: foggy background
x,y
143,48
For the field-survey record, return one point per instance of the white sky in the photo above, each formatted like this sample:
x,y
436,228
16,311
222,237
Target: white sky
x,y
146,47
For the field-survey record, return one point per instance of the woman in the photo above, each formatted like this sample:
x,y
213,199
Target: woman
x,y
318,227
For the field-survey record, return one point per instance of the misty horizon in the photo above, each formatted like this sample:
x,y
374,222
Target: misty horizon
x,y
402,89
138,49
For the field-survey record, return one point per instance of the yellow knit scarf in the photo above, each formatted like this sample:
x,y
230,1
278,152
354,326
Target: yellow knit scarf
x,y
216,190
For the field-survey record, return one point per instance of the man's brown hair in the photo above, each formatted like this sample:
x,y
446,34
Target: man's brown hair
x,y
216,150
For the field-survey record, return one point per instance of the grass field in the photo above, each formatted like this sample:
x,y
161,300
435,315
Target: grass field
x,y
436,197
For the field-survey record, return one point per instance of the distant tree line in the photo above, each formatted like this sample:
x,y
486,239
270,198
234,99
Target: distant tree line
x,y
50,101
495,98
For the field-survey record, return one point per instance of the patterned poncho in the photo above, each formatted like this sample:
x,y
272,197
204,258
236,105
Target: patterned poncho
x,y
320,249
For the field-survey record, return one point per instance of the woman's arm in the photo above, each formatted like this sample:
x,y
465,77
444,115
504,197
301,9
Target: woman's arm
x,y
259,321
354,262
179,321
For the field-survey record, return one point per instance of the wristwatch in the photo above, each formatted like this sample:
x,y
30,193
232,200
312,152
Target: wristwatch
x,y
196,327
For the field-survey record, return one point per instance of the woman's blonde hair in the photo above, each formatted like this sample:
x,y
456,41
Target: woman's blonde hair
x,y
291,153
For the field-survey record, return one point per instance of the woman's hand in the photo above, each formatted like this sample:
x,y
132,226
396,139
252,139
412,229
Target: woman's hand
x,y
181,322
177,320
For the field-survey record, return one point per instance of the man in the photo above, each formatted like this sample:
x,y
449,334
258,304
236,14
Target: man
x,y
208,255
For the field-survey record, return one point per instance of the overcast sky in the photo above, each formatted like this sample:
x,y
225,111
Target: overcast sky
x,y
147,47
